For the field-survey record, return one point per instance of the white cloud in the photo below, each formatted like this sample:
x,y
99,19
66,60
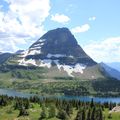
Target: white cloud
x,y
107,50
92,18
23,20
60,18
80,29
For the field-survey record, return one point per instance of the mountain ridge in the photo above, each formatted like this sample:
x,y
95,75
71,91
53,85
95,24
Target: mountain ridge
x,y
115,65
110,71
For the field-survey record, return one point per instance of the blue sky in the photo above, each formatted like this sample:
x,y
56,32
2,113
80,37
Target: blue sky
x,y
95,24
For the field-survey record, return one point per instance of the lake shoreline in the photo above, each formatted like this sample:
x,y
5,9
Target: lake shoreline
x,y
14,93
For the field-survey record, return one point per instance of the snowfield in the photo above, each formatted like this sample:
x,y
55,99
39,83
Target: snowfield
x,y
78,68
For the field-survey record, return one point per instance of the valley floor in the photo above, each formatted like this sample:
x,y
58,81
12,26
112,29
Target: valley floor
x,y
35,81
63,86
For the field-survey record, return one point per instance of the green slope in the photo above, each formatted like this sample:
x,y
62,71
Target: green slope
x,y
36,80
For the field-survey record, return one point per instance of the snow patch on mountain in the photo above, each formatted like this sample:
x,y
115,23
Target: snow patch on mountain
x,y
41,40
22,62
31,61
35,49
55,55
27,62
78,68
34,52
45,63
70,69
24,53
93,76
71,56
38,45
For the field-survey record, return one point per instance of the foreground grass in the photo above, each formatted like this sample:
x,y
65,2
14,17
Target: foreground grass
x,y
8,113
115,115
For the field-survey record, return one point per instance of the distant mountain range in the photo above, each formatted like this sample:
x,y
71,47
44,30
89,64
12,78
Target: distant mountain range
x,y
4,57
109,71
115,65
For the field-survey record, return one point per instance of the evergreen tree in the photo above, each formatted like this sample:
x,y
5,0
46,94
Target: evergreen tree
x,y
43,113
92,103
69,109
79,115
101,114
52,111
110,106
83,114
110,116
27,104
16,106
88,115
3,101
93,114
23,112
62,115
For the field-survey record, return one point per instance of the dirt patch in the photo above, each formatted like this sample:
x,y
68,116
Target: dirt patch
x,y
115,109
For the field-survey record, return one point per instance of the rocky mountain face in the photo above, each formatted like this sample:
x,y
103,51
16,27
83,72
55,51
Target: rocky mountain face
x,y
59,44
59,53
57,49
60,41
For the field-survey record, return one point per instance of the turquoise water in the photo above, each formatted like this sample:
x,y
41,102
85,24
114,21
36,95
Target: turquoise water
x,y
82,98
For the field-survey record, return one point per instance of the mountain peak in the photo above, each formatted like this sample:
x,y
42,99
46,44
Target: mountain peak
x,y
63,29
59,41
60,36
58,45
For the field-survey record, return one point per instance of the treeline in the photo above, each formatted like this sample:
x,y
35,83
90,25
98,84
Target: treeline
x,y
59,108
106,88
